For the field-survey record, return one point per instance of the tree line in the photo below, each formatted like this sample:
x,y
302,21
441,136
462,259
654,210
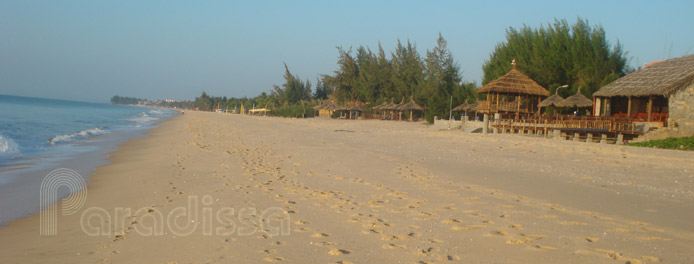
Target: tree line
x,y
127,100
578,55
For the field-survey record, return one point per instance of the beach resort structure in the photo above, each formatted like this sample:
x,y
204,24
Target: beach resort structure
x,y
512,94
658,97
325,110
652,103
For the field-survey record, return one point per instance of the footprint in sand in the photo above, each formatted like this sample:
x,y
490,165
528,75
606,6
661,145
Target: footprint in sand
x,y
467,228
427,251
571,223
319,235
337,252
539,246
393,246
273,259
592,239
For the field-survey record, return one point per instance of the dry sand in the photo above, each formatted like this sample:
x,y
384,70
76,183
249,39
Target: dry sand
x,y
371,192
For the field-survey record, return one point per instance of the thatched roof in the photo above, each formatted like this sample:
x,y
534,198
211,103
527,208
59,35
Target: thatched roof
x,y
462,107
576,100
466,107
552,100
326,106
411,105
380,107
514,82
663,78
397,106
355,107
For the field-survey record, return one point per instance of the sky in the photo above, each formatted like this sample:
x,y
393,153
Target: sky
x,y
92,50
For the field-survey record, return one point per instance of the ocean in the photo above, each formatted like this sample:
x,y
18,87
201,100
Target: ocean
x,y
39,135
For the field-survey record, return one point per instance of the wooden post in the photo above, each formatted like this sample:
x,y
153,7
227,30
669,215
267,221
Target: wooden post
x,y
519,104
629,108
650,107
539,100
594,114
497,102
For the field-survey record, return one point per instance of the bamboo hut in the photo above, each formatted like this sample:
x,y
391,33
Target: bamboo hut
x,y
513,85
660,92
411,106
325,110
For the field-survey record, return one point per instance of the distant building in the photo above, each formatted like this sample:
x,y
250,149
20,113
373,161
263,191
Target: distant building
x,y
660,95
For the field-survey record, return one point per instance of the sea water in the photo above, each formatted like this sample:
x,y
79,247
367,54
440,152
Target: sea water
x,y
40,135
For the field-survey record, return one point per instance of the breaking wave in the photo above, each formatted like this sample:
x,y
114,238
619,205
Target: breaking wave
x,y
7,145
75,136
144,119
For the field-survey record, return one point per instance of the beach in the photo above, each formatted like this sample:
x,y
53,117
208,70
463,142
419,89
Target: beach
x,y
273,190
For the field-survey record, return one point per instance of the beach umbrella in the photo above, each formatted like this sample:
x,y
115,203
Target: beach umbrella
x,y
461,107
554,99
411,106
577,100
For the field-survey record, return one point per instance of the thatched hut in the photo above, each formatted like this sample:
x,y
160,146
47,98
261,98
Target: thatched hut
x,y
661,92
326,109
514,85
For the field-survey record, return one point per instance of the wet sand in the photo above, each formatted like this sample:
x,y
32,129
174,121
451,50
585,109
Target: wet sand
x,y
341,191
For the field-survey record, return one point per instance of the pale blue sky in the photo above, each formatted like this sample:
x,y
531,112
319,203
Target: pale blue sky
x,y
91,50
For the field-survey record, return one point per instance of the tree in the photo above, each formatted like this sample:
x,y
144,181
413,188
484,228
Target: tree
x,y
203,103
294,89
322,91
578,55
441,79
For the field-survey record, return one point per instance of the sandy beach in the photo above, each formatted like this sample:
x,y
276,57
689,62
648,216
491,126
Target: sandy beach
x,y
272,190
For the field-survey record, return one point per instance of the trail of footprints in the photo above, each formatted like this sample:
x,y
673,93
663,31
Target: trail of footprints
x,y
263,176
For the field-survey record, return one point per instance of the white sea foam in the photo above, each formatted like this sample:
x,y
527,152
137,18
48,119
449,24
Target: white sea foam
x,y
7,145
156,112
75,136
144,119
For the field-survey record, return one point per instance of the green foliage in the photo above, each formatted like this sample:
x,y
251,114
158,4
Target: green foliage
x,y
578,55
126,100
371,77
295,110
321,91
294,89
203,103
683,143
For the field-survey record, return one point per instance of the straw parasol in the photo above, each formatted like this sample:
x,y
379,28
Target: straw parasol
x,y
554,99
577,100
462,107
396,107
380,107
411,105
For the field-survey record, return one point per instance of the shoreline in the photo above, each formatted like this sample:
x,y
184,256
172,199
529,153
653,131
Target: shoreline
x,y
382,192
88,154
